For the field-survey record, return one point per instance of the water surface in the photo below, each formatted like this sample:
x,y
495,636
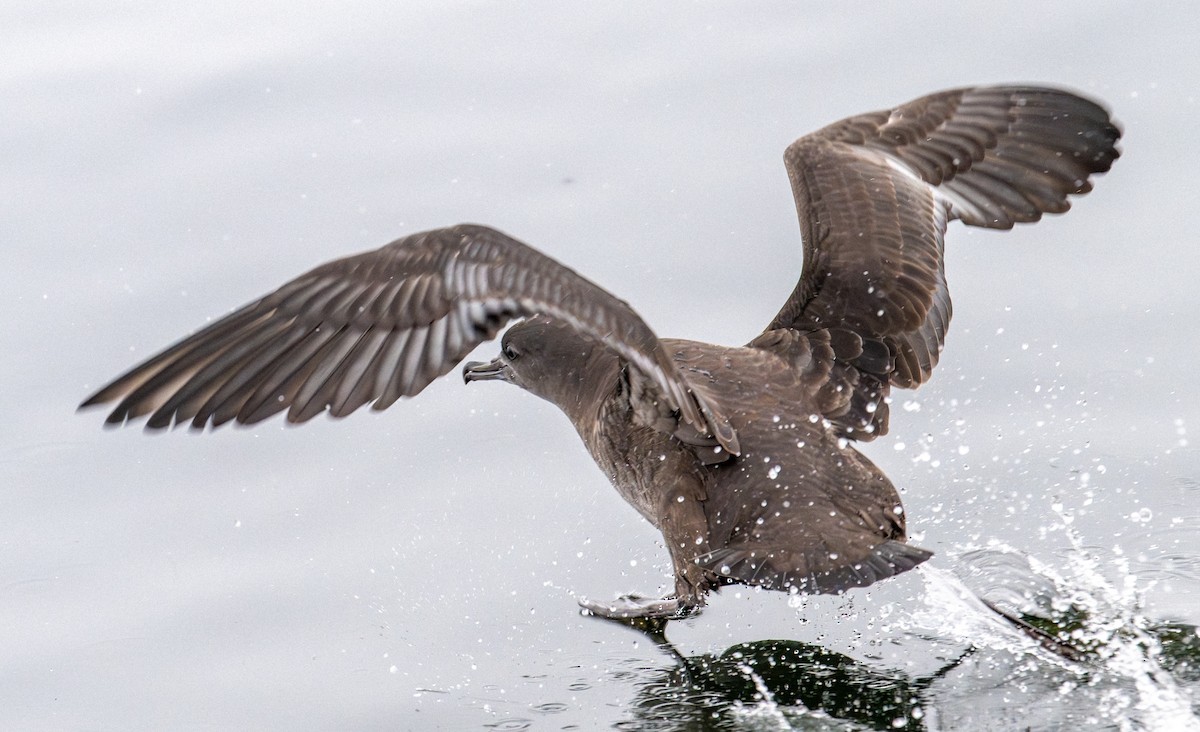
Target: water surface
x,y
418,569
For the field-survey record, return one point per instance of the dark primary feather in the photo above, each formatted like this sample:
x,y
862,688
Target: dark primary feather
x,y
377,326
875,192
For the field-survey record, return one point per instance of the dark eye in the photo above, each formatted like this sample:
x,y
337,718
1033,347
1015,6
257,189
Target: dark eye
x,y
510,353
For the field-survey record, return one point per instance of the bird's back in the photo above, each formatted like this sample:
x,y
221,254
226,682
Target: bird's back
x,y
800,505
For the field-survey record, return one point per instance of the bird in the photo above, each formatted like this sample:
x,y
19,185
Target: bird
x,y
743,457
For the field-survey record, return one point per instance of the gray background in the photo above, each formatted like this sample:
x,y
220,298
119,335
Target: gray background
x,y
418,568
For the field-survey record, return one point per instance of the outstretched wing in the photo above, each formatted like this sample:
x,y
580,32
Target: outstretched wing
x,y
875,192
381,325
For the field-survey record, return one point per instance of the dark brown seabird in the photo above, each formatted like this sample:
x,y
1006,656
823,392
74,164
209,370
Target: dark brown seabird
x,y
740,456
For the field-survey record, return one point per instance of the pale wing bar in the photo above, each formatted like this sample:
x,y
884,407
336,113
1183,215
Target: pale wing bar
x,y
875,192
1002,155
382,325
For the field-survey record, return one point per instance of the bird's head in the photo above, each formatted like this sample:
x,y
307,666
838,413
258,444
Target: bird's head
x,y
549,358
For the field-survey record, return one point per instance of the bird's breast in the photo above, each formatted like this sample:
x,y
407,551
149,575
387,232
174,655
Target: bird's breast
x,y
642,463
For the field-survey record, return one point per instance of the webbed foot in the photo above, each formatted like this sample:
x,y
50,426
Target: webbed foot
x,y
639,607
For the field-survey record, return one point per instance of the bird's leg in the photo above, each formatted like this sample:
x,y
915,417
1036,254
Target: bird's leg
x,y
635,607
685,531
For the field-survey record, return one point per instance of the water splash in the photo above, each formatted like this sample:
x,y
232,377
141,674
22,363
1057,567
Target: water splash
x,y
954,610
767,709
1123,664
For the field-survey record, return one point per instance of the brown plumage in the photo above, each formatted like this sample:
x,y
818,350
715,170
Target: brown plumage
x,y
739,455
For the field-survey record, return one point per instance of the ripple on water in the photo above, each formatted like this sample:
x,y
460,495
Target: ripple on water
x,y
510,725
550,707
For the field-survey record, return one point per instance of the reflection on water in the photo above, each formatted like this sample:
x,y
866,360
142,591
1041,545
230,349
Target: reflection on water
x,y
1179,649
783,684
776,678
1113,667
